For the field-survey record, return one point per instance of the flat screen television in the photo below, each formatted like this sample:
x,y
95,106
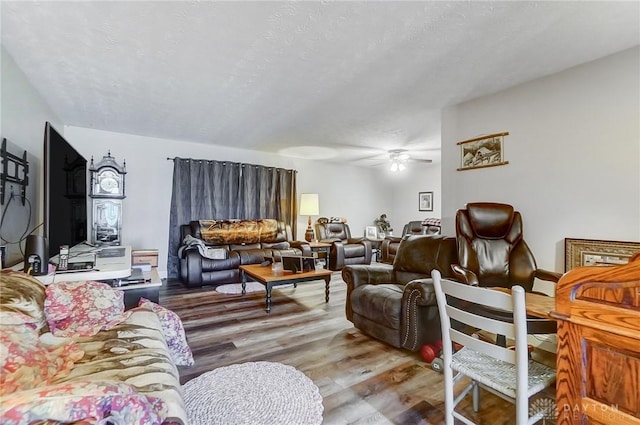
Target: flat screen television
x,y
65,192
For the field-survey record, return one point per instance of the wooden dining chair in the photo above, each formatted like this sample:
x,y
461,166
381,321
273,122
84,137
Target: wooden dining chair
x,y
506,372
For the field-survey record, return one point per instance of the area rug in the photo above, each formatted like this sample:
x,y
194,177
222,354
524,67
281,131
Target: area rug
x,y
253,393
236,288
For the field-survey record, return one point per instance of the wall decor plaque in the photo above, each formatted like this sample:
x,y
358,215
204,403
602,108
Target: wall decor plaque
x,y
482,152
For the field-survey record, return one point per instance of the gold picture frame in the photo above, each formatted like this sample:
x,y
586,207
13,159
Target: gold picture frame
x,y
482,152
587,252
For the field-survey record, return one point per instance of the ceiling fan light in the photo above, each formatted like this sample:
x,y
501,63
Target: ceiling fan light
x,y
394,166
401,167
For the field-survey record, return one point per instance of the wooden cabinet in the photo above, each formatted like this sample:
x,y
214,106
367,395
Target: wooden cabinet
x,y
598,363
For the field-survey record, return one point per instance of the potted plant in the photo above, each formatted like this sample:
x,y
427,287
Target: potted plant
x,y
383,225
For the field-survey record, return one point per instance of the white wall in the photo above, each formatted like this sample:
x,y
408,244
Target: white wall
x,y
23,115
351,192
573,152
405,186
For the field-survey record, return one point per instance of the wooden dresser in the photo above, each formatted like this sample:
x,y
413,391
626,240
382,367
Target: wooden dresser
x,y
598,363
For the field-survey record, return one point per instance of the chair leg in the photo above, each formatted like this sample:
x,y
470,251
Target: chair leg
x,y
476,396
448,395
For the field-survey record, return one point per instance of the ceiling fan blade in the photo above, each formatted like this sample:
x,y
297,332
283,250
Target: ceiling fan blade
x,y
369,157
426,161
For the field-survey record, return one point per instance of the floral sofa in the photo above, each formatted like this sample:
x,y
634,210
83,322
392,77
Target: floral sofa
x,y
212,251
70,354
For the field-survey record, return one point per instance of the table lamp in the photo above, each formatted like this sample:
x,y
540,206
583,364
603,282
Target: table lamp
x,y
309,206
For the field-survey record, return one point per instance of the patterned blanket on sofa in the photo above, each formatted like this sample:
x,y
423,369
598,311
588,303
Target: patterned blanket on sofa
x,y
118,368
221,232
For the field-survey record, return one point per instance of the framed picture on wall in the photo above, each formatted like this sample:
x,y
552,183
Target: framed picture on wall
x,y
587,252
425,201
481,152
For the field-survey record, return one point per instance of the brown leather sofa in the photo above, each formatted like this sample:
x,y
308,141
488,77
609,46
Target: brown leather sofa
x,y
396,304
344,250
213,250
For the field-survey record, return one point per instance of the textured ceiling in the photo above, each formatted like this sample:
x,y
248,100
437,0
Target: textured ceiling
x,y
358,78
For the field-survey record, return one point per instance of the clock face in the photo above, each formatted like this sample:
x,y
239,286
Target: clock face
x,y
108,183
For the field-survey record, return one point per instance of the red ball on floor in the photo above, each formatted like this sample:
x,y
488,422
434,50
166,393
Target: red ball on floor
x,y
428,352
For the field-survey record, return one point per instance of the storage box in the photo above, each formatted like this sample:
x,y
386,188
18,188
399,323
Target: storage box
x,y
298,264
140,256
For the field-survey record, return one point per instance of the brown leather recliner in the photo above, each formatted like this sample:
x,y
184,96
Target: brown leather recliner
x,y
390,244
344,249
492,253
414,228
492,250
396,304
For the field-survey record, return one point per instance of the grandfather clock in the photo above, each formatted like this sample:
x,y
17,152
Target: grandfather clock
x,y
107,193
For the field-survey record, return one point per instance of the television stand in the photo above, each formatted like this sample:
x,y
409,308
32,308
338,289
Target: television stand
x,y
105,267
134,291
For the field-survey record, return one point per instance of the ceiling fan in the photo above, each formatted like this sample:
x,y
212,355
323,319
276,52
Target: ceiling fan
x,y
399,158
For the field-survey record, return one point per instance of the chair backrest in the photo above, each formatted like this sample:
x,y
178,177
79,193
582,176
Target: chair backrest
x,y
333,231
418,255
500,312
464,303
414,228
491,245
453,305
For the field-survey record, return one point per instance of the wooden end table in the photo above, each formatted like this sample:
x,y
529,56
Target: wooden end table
x,y
322,247
376,243
264,275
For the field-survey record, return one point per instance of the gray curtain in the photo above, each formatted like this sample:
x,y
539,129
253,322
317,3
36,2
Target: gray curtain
x,y
204,189
268,192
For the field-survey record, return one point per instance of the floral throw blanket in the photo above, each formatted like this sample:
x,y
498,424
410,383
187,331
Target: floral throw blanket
x,y
69,353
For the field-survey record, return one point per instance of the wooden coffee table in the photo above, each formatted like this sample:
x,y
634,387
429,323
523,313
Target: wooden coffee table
x,y
265,276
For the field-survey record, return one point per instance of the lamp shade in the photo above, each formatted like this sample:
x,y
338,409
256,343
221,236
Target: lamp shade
x,y
309,204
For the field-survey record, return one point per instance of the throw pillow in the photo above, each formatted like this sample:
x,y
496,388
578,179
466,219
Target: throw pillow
x,y
25,362
24,294
83,308
95,402
173,333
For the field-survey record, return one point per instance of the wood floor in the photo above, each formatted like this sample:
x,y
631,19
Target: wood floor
x,y
362,381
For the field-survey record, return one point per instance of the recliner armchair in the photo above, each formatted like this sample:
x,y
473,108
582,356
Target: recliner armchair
x,y
344,249
396,304
414,228
390,244
492,250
